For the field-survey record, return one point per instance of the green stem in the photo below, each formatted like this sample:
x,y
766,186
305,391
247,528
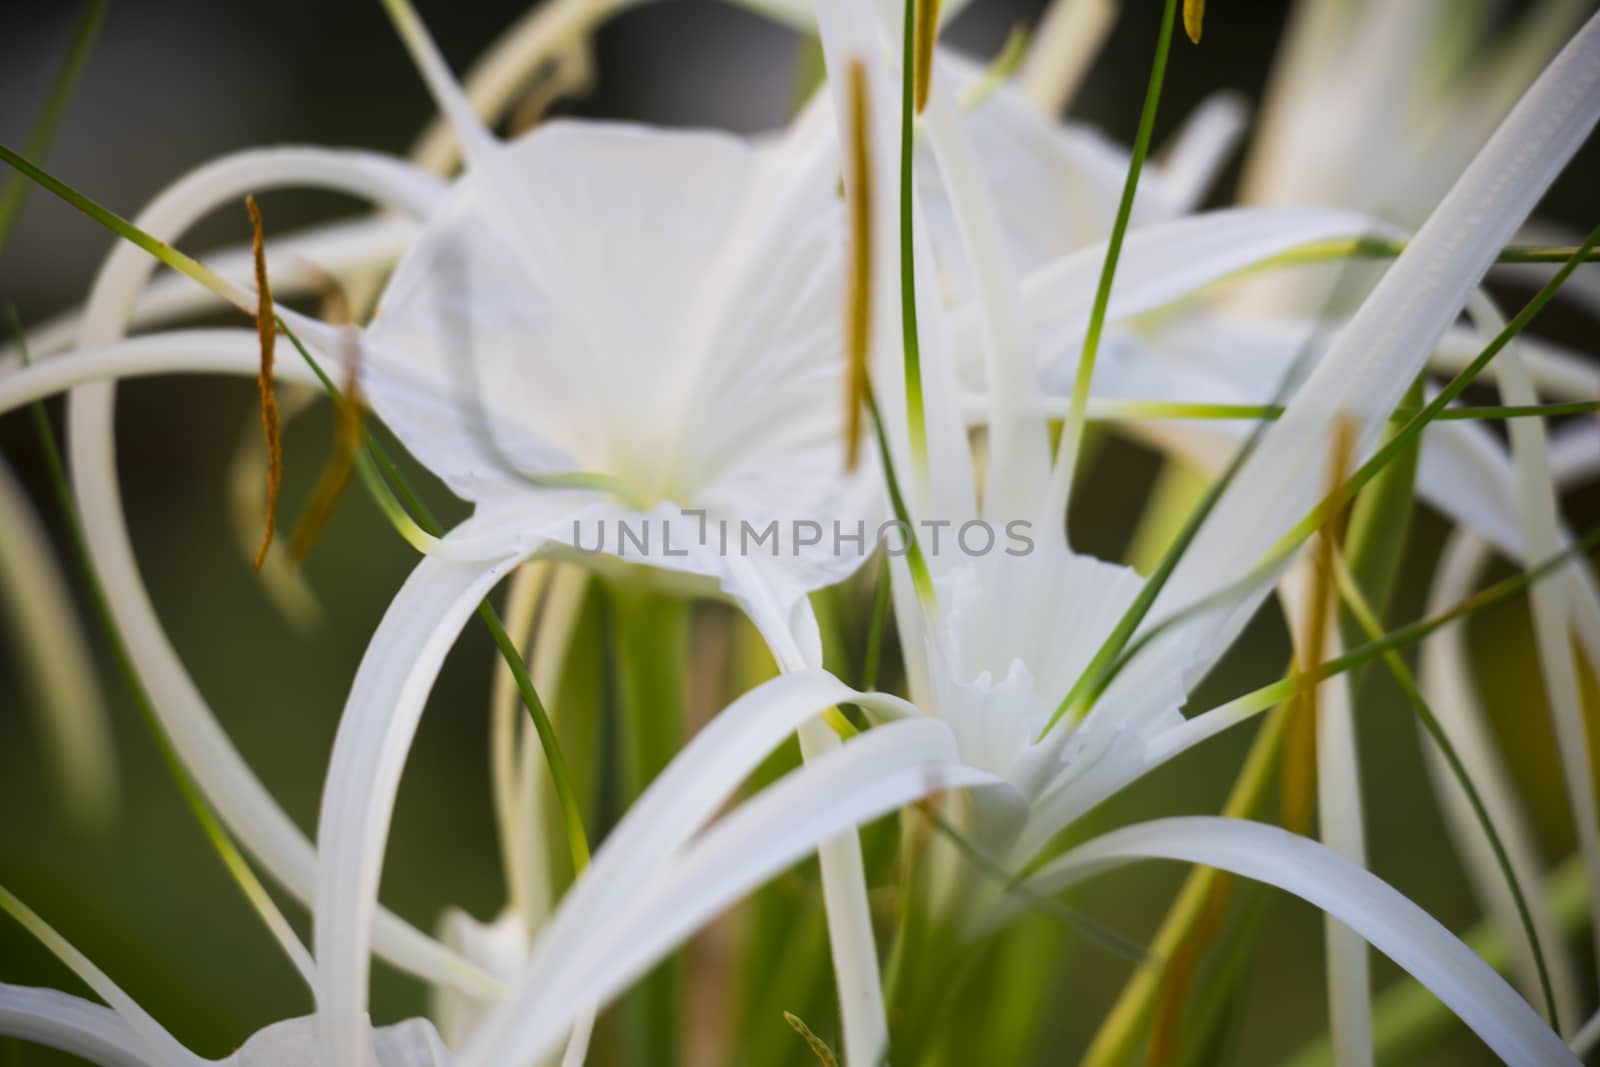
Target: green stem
x,y
1072,431
1364,616
1375,540
916,418
876,625
1123,1028
49,120
652,643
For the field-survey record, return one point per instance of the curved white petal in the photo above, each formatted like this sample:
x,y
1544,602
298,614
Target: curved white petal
x,y
298,263
72,1025
369,752
1551,601
1160,264
499,947
686,794
1558,373
802,14
67,702
239,797
1388,921
499,77
294,1043
177,352
1445,673
874,774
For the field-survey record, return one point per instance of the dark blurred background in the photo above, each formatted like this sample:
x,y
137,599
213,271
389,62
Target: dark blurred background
x,y
173,83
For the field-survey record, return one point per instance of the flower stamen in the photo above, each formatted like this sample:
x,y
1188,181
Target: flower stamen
x,y
271,424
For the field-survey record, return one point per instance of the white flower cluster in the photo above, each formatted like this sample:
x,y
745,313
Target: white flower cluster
x,y
601,332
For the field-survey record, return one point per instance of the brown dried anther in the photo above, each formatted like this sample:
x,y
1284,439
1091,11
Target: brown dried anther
x,y
271,422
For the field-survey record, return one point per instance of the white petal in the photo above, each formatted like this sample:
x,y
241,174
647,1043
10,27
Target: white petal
x,y
1351,143
1446,676
802,14
569,309
297,263
178,352
1559,373
375,731
1160,264
680,801
74,1026
69,707
500,948
1392,924
294,1043
1551,600
1018,459
874,774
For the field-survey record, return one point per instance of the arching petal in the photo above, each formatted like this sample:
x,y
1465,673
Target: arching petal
x,y
72,1025
375,731
227,781
874,774
1390,923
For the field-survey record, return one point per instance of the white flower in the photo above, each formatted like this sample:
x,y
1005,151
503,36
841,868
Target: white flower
x,y
655,308
590,338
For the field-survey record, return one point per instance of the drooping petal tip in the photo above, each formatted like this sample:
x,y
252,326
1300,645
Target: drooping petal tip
x,y
1194,13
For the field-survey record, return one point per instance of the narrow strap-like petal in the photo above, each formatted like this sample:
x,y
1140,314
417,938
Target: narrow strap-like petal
x,y
864,778
1446,677
298,263
72,1025
1550,601
177,352
679,802
369,753
1392,924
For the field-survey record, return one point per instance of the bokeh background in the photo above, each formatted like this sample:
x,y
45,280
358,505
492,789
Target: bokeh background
x,y
173,83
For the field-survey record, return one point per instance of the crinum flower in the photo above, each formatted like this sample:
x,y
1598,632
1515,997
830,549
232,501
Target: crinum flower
x,y
559,364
